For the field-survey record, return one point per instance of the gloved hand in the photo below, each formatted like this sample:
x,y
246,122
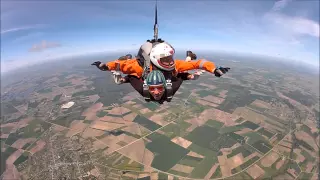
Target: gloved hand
x,y
220,71
195,76
191,55
101,66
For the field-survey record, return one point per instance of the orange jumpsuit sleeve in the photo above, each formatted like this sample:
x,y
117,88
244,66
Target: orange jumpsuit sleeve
x,y
182,65
130,67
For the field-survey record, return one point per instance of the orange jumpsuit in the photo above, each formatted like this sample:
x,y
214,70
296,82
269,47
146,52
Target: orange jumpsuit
x,y
132,67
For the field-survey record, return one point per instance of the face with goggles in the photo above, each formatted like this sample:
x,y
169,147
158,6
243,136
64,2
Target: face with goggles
x,y
156,91
166,62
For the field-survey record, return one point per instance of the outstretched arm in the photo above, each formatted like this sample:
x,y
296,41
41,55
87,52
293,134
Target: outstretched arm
x,y
197,64
203,64
130,67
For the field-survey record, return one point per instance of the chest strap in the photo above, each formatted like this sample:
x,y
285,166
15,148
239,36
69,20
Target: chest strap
x,y
169,90
146,93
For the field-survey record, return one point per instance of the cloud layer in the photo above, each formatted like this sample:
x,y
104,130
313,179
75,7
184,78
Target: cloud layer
x,y
287,28
43,46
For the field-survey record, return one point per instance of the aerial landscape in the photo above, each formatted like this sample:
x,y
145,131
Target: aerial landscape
x,y
248,109
68,124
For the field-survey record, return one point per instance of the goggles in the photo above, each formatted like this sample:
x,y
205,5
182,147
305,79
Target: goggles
x,y
157,87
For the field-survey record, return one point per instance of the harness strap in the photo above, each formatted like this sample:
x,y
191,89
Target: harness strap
x,y
146,93
169,90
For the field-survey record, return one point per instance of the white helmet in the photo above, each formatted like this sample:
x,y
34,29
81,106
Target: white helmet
x,y
161,56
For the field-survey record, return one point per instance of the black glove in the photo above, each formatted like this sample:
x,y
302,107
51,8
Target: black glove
x,y
191,55
102,68
220,71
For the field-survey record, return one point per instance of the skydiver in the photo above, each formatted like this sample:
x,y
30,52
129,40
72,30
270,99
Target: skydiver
x,y
155,87
161,58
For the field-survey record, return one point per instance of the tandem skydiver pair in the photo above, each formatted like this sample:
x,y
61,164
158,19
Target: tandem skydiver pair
x,y
154,73
164,76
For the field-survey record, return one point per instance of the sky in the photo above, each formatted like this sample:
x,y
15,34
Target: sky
x,y
35,31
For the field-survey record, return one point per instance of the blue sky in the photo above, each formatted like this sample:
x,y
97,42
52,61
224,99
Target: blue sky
x,y
36,31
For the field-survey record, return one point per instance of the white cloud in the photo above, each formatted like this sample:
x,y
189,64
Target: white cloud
x,y
293,25
43,46
29,36
280,5
17,62
22,28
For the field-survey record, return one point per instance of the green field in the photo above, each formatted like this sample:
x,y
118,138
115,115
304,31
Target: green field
x,y
260,109
26,146
84,93
43,91
250,125
123,164
4,156
224,141
253,137
65,84
65,120
173,130
87,121
262,146
305,176
308,158
201,150
7,108
241,149
241,176
265,132
57,98
151,106
178,173
24,156
162,176
304,99
204,93
32,105
229,129
239,96
307,129
203,136
214,124
235,137
217,173
295,166
143,121
33,130
190,161
204,167
305,145
101,113
167,153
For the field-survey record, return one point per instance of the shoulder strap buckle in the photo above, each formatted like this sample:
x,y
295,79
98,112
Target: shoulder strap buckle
x,y
169,90
146,93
